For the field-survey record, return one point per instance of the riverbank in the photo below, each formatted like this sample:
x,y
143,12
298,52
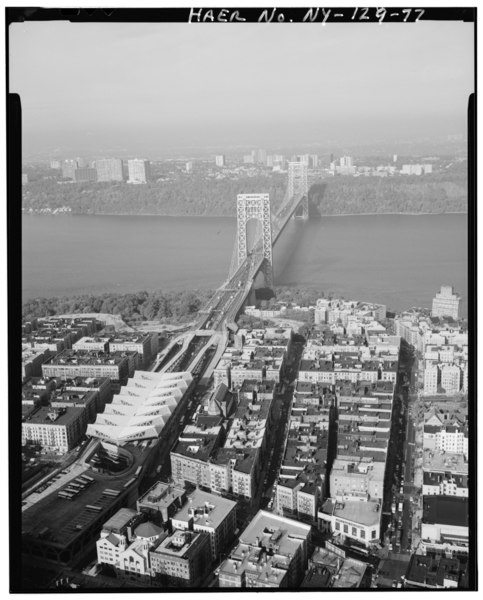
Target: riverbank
x,y
210,216
402,214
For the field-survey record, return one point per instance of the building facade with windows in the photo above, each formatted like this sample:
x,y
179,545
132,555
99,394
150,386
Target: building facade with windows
x,y
446,303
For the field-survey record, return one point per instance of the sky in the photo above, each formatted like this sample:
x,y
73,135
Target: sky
x,y
101,86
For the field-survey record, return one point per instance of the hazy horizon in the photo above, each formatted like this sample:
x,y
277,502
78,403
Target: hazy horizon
x,y
148,87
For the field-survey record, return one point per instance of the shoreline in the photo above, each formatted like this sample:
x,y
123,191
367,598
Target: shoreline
x,y
402,214
368,214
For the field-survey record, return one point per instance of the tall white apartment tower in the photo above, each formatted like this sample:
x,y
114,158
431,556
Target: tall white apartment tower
x,y
139,170
446,303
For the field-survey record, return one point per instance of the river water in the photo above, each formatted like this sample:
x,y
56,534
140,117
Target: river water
x,y
398,260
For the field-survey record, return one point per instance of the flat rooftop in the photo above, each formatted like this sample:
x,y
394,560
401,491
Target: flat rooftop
x,y
435,461
445,510
181,544
350,574
88,357
430,478
358,467
200,449
245,458
93,340
63,520
65,417
161,495
130,338
365,388
29,354
268,528
120,519
265,567
216,507
432,572
356,511
249,385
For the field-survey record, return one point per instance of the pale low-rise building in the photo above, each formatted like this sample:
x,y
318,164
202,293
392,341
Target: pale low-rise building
x,y
125,544
354,519
116,535
358,477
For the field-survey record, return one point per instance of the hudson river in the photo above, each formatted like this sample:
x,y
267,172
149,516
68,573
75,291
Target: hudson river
x,y
398,260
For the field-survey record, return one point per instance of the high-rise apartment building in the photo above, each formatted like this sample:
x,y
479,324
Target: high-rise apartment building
x,y
139,170
446,303
451,379
189,167
431,379
109,169
220,160
346,161
68,169
82,174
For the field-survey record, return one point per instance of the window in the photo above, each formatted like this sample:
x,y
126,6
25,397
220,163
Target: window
x,y
354,531
363,534
346,528
337,525
373,533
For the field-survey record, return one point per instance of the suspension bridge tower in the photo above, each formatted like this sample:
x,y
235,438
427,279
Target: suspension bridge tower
x,y
248,207
298,186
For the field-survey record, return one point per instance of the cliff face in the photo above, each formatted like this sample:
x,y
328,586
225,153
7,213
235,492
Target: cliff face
x,y
424,194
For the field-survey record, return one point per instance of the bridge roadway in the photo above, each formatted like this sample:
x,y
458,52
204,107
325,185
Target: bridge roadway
x,y
225,305
227,301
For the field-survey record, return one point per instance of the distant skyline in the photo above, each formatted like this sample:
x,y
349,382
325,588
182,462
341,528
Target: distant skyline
x,y
166,86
